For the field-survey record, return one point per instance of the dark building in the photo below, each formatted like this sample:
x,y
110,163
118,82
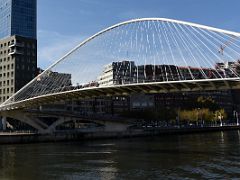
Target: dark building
x,y
18,45
228,69
18,64
125,72
187,100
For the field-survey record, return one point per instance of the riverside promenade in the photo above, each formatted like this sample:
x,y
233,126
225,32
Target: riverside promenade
x,y
81,135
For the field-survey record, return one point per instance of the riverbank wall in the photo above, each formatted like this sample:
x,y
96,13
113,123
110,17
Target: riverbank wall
x,y
14,138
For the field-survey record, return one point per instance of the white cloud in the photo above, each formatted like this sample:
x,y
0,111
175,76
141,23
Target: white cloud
x,y
53,45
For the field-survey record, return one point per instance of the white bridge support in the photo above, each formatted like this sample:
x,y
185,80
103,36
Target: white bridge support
x,y
108,125
32,119
26,118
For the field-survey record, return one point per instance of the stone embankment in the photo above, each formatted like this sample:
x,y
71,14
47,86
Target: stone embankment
x,y
15,138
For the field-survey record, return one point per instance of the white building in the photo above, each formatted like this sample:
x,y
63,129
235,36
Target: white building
x,y
116,73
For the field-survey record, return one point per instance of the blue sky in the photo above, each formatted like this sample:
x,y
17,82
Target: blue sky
x,y
62,24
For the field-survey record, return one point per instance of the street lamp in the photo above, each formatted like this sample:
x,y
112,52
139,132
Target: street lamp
x,y
235,114
220,118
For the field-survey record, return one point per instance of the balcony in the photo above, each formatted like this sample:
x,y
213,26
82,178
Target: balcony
x,y
16,44
14,52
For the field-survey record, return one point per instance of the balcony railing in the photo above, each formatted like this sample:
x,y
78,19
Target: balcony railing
x,y
14,44
15,52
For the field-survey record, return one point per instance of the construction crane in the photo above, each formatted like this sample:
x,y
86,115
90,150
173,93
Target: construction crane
x,y
226,44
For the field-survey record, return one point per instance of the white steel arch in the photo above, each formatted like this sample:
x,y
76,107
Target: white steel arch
x,y
141,20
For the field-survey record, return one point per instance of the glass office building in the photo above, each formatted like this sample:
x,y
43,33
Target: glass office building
x,y
18,45
18,17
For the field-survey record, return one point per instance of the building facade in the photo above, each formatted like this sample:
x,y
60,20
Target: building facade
x,y
117,73
228,69
18,64
18,45
18,17
127,72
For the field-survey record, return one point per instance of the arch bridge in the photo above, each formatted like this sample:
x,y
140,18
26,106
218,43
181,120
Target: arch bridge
x,y
149,55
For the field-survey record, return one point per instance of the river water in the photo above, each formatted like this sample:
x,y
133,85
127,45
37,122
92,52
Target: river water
x,y
191,156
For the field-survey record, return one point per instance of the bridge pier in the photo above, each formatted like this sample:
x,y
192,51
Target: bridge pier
x,y
115,127
32,118
4,123
23,117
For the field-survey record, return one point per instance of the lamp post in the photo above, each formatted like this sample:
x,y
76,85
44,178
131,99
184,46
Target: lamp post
x,y
198,110
220,118
178,117
236,113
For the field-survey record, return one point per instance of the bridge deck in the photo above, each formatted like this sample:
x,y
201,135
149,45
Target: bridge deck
x,y
153,87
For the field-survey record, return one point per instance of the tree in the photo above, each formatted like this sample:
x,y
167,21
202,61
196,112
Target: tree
x,y
207,115
196,116
207,102
220,115
188,116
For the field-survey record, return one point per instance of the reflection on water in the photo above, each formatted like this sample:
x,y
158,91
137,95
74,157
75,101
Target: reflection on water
x,y
196,156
